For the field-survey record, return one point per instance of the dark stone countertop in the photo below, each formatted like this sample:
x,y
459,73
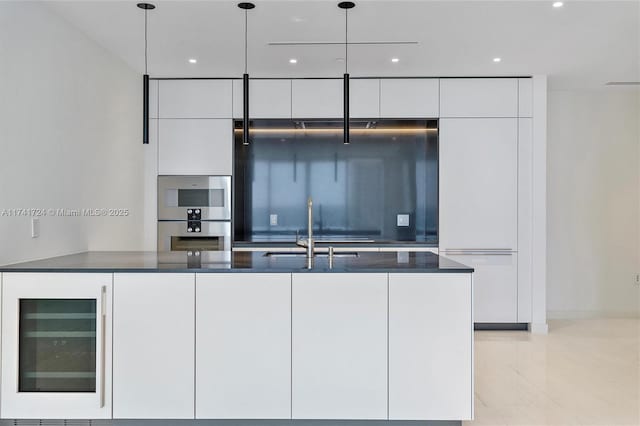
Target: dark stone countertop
x,y
119,261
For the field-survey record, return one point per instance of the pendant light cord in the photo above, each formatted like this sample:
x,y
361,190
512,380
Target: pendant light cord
x,y
145,42
346,41
245,40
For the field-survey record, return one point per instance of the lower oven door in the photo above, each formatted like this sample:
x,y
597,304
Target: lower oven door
x,y
213,236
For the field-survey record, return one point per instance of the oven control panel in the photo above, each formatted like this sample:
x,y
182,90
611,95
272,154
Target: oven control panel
x,y
194,220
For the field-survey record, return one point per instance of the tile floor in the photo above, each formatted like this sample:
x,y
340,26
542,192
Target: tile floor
x,y
584,372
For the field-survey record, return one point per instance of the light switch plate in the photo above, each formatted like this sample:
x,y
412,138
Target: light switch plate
x,y
273,219
403,220
35,227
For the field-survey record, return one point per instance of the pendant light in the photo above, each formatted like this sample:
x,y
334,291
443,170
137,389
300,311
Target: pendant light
x,y
346,5
145,78
245,77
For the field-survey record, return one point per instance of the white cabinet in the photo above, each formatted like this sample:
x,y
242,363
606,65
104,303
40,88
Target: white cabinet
x,y
195,147
478,97
478,183
430,347
153,98
267,99
525,217
56,346
316,98
153,346
409,98
495,285
195,99
364,98
243,346
339,340
525,97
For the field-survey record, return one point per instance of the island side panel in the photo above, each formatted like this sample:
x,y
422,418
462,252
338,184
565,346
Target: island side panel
x,y
430,346
339,335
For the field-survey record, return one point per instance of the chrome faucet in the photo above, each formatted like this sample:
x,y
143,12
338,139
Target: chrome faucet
x,y
309,244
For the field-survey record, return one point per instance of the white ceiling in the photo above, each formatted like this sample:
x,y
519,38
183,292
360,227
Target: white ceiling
x,y
581,45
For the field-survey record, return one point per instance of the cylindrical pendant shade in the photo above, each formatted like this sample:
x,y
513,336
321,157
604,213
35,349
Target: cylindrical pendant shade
x,y
245,109
145,109
345,93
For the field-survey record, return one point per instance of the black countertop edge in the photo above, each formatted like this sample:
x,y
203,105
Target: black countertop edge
x,y
240,262
205,270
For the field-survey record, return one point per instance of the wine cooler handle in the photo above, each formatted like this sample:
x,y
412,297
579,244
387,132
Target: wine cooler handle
x,y
103,341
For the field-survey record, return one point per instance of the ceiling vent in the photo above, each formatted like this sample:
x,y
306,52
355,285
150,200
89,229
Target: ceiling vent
x,y
623,83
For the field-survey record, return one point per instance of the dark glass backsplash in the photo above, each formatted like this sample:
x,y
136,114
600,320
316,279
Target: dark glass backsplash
x,y
390,168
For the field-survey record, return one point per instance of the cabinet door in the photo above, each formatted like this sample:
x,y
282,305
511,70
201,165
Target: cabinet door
x,y
364,98
478,183
316,98
195,147
153,346
495,286
267,98
478,97
430,347
56,346
525,97
243,346
409,98
339,335
525,216
195,99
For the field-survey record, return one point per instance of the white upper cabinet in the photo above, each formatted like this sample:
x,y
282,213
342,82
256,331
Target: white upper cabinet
x,y
478,97
525,97
478,183
267,98
153,346
195,147
316,98
364,98
243,354
409,98
339,335
153,98
195,99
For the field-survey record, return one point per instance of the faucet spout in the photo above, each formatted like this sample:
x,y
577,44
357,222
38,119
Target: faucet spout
x,y
310,242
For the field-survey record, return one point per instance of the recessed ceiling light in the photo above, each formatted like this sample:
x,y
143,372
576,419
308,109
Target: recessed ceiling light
x,y
497,59
293,61
395,60
558,4
193,61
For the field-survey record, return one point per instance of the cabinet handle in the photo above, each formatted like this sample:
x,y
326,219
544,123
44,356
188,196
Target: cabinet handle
x,y
103,341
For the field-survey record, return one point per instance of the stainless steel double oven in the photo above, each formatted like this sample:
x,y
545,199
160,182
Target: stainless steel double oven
x,y
194,213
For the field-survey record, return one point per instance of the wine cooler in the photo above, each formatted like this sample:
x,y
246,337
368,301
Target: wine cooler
x,y
56,335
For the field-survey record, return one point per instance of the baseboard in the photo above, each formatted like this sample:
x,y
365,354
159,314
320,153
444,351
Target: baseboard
x,y
593,314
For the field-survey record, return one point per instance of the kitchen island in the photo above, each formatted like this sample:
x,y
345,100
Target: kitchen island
x,y
242,335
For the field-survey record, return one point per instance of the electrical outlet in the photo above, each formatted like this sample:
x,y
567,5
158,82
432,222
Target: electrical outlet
x,y
402,220
273,219
35,227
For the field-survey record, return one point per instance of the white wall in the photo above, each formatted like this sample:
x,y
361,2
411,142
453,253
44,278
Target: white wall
x,y
593,203
70,137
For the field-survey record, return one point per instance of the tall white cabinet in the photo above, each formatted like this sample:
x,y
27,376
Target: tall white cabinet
x,y
485,191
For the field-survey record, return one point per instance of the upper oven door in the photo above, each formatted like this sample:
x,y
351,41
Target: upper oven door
x,y
210,194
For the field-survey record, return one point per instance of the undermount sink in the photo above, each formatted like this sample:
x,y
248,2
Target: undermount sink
x,y
302,254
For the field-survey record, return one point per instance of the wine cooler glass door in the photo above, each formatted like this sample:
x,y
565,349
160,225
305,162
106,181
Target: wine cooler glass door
x,y
56,342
